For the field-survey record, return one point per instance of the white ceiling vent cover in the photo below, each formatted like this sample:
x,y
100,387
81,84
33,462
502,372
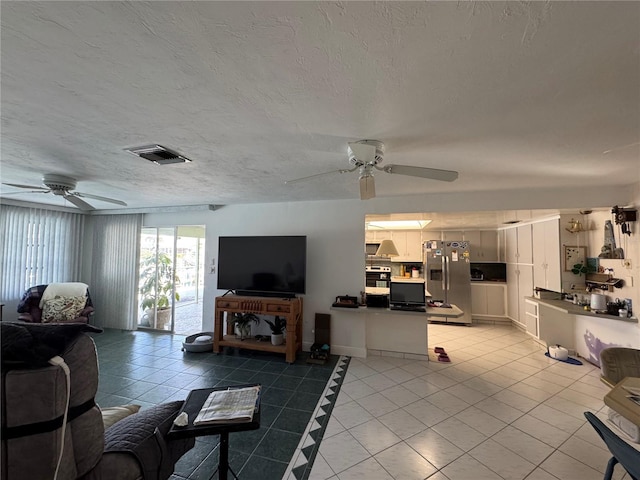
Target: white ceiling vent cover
x,y
158,154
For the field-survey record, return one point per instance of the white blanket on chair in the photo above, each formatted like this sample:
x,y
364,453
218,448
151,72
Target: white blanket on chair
x,y
66,289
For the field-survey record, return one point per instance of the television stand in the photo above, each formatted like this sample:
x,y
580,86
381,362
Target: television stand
x,y
290,308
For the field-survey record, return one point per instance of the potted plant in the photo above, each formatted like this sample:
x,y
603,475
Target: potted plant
x,y
157,279
580,268
242,323
278,326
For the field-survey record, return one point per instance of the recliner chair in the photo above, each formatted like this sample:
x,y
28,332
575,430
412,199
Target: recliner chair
x,y
617,363
38,412
30,310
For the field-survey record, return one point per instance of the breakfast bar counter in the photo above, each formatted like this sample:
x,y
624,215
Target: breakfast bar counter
x,y
394,332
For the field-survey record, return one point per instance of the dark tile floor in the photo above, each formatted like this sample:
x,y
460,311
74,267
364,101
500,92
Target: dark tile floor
x,y
148,368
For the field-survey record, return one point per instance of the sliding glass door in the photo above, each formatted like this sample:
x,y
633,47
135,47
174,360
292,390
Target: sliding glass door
x,y
157,283
171,278
190,269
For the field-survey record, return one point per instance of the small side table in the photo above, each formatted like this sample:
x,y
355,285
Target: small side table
x,y
192,406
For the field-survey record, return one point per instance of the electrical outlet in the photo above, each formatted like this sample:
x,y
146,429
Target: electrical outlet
x,y
627,263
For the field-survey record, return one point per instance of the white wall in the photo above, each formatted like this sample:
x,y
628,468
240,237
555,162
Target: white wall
x,y
335,235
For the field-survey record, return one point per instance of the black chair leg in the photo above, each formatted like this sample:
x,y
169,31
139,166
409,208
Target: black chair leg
x,y
608,475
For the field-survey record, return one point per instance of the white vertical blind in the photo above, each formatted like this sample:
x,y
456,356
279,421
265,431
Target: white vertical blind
x,y
114,270
39,246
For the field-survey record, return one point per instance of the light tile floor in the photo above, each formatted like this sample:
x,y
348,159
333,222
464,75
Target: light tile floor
x,y
500,410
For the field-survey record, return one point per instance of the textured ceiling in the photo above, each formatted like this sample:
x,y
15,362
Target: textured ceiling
x,y
513,95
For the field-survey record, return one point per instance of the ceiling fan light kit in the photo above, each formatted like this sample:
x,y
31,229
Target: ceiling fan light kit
x,y
366,155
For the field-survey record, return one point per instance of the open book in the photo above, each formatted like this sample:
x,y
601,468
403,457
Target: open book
x,y
232,405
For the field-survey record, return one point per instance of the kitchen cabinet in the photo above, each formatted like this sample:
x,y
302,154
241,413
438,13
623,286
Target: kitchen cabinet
x,y
488,299
546,255
484,245
376,235
511,245
519,286
502,254
518,248
450,235
409,245
531,317
555,327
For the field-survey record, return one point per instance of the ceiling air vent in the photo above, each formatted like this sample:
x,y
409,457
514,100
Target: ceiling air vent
x,y
158,154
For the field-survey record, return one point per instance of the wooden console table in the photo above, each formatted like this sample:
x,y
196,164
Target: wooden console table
x,y
290,308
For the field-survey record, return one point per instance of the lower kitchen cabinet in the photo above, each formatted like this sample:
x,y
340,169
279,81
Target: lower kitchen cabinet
x,y
531,317
519,286
488,299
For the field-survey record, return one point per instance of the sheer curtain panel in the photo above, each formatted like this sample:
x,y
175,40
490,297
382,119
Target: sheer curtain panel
x,y
114,270
39,246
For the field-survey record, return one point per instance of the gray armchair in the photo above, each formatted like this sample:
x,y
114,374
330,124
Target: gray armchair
x,y
617,363
38,412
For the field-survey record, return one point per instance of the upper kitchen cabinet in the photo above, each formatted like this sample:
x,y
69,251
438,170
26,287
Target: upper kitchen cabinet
x,y
546,255
377,235
484,245
409,245
452,235
518,248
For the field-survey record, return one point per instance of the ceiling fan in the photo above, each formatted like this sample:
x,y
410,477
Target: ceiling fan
x,y
62,186
366,155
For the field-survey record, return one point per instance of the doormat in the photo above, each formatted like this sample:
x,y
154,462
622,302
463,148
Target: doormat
x,y
569,360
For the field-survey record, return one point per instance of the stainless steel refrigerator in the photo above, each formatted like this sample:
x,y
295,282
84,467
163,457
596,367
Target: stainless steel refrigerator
x,y
448,276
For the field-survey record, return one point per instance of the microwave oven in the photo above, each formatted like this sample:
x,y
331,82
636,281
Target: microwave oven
x,y
371,248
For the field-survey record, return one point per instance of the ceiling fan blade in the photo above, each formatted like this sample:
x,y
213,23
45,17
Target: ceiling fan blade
x,y
31,187
362,151
310,177
81,204
96,197
21,193
432,173
367,187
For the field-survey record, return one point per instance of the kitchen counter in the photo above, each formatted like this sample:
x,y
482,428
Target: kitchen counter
x,y
558,322
382,330
376,290
454,311
570,308
385,291
408,279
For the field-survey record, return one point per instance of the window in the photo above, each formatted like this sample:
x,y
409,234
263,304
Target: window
x,y
39,246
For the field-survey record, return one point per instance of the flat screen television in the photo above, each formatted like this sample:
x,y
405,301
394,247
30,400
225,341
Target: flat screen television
x,y
263,265
407,295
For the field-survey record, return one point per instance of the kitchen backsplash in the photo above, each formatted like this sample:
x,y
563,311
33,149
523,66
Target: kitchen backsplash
x,y
491,271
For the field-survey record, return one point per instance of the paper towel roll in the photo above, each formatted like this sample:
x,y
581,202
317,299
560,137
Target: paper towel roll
x,y
558,352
